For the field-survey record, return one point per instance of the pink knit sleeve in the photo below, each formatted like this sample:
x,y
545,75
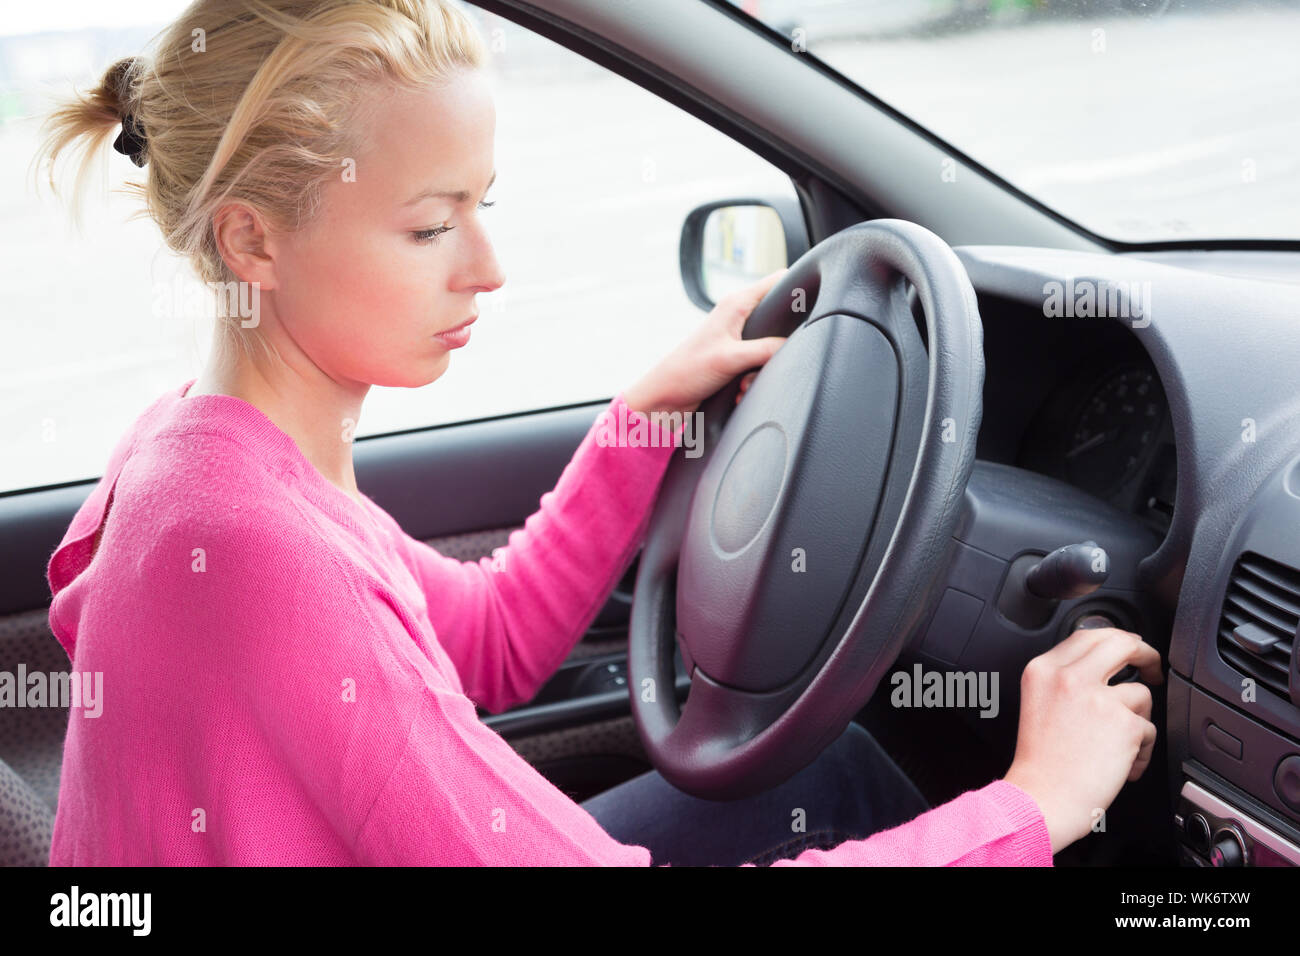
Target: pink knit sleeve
x,y
508,621
459,795
997,825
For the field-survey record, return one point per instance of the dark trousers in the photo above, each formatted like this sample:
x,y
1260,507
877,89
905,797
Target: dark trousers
x,y
852,790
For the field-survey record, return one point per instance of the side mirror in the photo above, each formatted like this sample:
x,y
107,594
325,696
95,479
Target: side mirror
x,y
731,243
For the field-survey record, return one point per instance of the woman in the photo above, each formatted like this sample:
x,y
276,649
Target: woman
x,y
288,676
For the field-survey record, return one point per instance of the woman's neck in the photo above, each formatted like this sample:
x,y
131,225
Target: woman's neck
x,y
313,410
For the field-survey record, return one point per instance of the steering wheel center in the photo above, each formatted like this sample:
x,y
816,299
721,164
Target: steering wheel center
x,y
749,490
774,542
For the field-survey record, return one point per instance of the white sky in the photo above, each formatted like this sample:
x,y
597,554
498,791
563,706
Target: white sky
x,y
36,16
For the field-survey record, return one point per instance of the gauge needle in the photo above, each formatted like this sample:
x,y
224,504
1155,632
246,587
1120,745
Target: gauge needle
x,y
1093,442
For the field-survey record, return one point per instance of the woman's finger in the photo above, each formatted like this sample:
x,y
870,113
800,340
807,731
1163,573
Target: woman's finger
x,y
753,294
752,353
1143,759
1135,696
1108,658
747,299
744,386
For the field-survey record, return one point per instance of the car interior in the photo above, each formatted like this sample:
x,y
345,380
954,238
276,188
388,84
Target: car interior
x,y
1127,400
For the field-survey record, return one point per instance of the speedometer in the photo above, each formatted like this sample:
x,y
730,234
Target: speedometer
x,y
1115,431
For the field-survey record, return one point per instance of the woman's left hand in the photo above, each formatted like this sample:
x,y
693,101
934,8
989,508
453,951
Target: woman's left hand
x,y
709,357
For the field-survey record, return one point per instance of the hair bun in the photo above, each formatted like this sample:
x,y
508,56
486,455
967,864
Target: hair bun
x,y
119,81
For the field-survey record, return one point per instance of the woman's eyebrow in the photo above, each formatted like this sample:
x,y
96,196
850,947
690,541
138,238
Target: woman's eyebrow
x,y
455,195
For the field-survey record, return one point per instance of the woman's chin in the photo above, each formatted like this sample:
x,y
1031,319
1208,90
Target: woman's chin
x,y
434,369
416,376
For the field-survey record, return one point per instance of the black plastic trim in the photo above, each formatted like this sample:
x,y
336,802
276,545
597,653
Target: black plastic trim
x,y
570,713
1230,793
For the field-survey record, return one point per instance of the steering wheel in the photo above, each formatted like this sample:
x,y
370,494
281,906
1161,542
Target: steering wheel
x,y
794,557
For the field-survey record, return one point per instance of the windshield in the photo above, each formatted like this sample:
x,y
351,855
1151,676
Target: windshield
x,y
1141,120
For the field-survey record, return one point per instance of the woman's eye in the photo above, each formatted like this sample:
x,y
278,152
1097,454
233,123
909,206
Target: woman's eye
x,y
430,236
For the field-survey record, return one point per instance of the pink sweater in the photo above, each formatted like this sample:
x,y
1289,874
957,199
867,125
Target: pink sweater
x,y
289,678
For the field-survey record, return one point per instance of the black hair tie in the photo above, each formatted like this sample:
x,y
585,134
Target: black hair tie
x,y
131,141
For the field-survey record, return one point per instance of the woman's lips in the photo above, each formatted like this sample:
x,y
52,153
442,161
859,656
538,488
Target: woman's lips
x,y
457,337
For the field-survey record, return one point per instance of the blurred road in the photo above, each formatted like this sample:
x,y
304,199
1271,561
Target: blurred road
x,y
1141,129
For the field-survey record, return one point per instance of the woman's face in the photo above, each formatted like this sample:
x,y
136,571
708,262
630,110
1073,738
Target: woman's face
x,y
398,251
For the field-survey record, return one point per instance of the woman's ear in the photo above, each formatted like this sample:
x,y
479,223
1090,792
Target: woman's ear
x,y
242,239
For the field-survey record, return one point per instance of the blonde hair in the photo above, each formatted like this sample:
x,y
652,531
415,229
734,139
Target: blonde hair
x,y
259,102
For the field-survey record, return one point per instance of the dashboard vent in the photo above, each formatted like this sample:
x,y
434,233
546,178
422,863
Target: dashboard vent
x,y
1261,613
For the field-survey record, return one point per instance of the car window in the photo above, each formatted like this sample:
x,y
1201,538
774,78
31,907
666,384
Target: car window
x,y
1141,120
594,179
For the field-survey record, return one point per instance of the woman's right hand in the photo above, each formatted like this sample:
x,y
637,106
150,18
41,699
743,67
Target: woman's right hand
x,y
1080,739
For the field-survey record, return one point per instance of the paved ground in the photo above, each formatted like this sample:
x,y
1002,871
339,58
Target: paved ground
x,y
1181,126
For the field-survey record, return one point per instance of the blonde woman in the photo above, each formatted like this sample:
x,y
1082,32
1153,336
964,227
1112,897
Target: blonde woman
x,y
289,677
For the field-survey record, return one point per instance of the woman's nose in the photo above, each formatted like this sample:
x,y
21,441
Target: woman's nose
x,y
482,271
494,276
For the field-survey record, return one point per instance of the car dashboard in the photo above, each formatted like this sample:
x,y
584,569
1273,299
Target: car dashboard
x,y
1186,418
1079,400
